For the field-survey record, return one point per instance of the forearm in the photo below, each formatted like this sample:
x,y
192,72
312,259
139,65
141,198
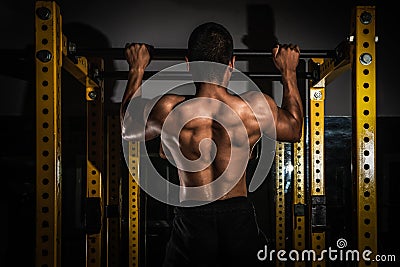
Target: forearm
x,y
133,89
132,107
291,101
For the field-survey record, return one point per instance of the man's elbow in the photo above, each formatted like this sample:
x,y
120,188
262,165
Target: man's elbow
x,y
296,138
297,133
129,135
294,132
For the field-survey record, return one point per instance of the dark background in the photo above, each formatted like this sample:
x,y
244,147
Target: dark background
x,y
168,23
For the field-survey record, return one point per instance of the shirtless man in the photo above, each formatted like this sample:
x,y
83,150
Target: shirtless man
x,y
222,232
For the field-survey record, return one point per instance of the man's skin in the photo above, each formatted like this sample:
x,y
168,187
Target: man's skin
x,y
205,117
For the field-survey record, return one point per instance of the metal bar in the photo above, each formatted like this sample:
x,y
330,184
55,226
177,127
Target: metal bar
x,y
78,70
134,190
317,180
48,133
95,171
177,75
364,130
94,150
113,191
317,116
299,194
166,53
330,68
180,53
280,199
79,67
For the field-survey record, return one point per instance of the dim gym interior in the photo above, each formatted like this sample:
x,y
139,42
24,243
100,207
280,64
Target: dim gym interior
x,y
73,199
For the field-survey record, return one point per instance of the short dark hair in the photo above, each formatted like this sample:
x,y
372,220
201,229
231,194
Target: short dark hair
x,y
210,41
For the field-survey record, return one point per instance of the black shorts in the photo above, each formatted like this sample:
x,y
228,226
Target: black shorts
x,y
221,233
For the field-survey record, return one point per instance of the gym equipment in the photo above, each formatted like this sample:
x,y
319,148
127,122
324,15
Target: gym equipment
x,y
53,53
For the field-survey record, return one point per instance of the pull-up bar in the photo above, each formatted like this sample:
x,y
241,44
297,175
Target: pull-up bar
x,y
175,75
180,53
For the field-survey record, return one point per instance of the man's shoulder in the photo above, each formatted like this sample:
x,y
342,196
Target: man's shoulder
x,y
251,94
174,98
258,101
169,101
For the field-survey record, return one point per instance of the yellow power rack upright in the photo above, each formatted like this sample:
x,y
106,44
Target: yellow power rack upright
x,y
364,129
48,133
51,57
280,199
299,198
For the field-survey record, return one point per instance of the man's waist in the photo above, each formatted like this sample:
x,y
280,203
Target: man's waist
x,y
219,206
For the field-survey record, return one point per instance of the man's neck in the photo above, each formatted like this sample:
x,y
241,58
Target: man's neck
x,y
210,90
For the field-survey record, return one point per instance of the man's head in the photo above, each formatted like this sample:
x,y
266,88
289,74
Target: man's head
x,y
210,42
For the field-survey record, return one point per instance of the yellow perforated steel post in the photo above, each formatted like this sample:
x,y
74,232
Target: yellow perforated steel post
x,y
280,199
113,191
134,190
364,129
299,207
48,133
317,179
95,169
79,69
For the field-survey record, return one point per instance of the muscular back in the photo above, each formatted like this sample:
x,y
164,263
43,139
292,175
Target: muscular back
x,y
209,137
212,142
